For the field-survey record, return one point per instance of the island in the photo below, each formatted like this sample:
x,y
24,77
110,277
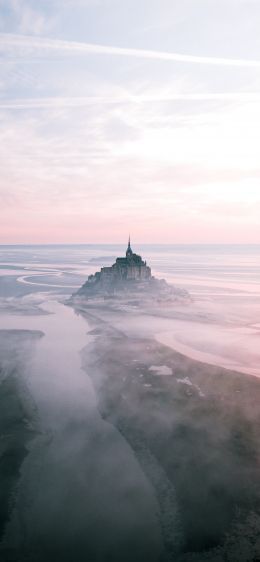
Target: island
x,y
130,277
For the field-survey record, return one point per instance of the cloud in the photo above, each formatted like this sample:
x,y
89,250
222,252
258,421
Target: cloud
x,y
109,134
10,41
77,102
25,17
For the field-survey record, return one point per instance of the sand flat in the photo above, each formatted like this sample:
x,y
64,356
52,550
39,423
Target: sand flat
x,y
231,352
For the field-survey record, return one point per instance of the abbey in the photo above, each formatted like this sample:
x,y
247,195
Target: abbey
x,y
127,273
131,267
128,276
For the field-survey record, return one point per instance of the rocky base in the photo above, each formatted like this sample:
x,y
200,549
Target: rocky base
x,y
153,289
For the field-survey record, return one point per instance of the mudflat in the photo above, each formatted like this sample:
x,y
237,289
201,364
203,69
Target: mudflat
x,y
17,414
194,429
188,450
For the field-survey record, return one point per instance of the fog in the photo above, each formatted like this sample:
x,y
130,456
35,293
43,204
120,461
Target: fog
x,y
200,422
81,480
224,334
127,432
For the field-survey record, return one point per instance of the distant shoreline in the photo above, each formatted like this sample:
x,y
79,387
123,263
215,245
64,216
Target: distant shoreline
x,y
139,244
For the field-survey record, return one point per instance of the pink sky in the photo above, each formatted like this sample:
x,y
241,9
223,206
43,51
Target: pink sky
x,y
107,129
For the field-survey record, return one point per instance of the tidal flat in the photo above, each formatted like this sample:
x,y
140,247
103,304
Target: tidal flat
x,y
18,417
194,429
115,443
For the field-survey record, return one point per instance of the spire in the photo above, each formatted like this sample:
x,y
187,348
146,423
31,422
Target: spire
x,y
129,249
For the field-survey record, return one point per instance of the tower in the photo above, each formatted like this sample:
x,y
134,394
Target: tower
x,y
129,252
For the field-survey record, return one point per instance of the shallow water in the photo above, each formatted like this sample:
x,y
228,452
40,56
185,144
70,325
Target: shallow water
x,y
80,480
224,282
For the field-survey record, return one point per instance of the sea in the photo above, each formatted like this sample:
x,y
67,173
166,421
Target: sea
x,y
222,325
212,269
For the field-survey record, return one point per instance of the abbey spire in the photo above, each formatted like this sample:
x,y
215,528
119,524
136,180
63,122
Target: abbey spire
x,y
129,249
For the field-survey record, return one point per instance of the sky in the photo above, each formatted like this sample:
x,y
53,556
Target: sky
x,y
121,116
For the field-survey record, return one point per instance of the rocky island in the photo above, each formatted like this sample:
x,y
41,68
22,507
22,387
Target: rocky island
x,y
130,276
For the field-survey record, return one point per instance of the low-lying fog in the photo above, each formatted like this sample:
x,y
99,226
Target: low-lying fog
x,y
220,333
81,480
79,490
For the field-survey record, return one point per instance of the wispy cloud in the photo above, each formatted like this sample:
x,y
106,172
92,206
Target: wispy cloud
x,y
103,124
11,41
77,102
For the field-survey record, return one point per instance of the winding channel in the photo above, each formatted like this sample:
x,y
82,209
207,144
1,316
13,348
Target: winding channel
x,y
82,494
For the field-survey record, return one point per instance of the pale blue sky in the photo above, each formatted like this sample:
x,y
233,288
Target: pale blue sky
x,y
105,127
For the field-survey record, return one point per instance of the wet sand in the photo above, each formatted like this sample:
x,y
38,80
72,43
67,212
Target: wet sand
x,y
209,332
235,349
18,418
195,434
154,452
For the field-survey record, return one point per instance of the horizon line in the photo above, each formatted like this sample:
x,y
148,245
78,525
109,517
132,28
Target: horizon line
x,y
135,243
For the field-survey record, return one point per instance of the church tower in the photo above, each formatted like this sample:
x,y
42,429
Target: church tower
x,y
129,252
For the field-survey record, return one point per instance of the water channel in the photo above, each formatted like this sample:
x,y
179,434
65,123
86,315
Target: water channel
x,y
81,494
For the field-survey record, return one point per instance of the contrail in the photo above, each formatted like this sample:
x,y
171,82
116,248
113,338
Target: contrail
x,y
10,41
74,102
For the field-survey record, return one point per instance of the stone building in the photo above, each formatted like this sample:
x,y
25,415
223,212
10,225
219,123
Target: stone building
x,y
129,276
127,271
130,267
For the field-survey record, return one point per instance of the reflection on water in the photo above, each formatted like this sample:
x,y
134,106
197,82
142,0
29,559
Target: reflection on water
x,y
79,461
55,378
